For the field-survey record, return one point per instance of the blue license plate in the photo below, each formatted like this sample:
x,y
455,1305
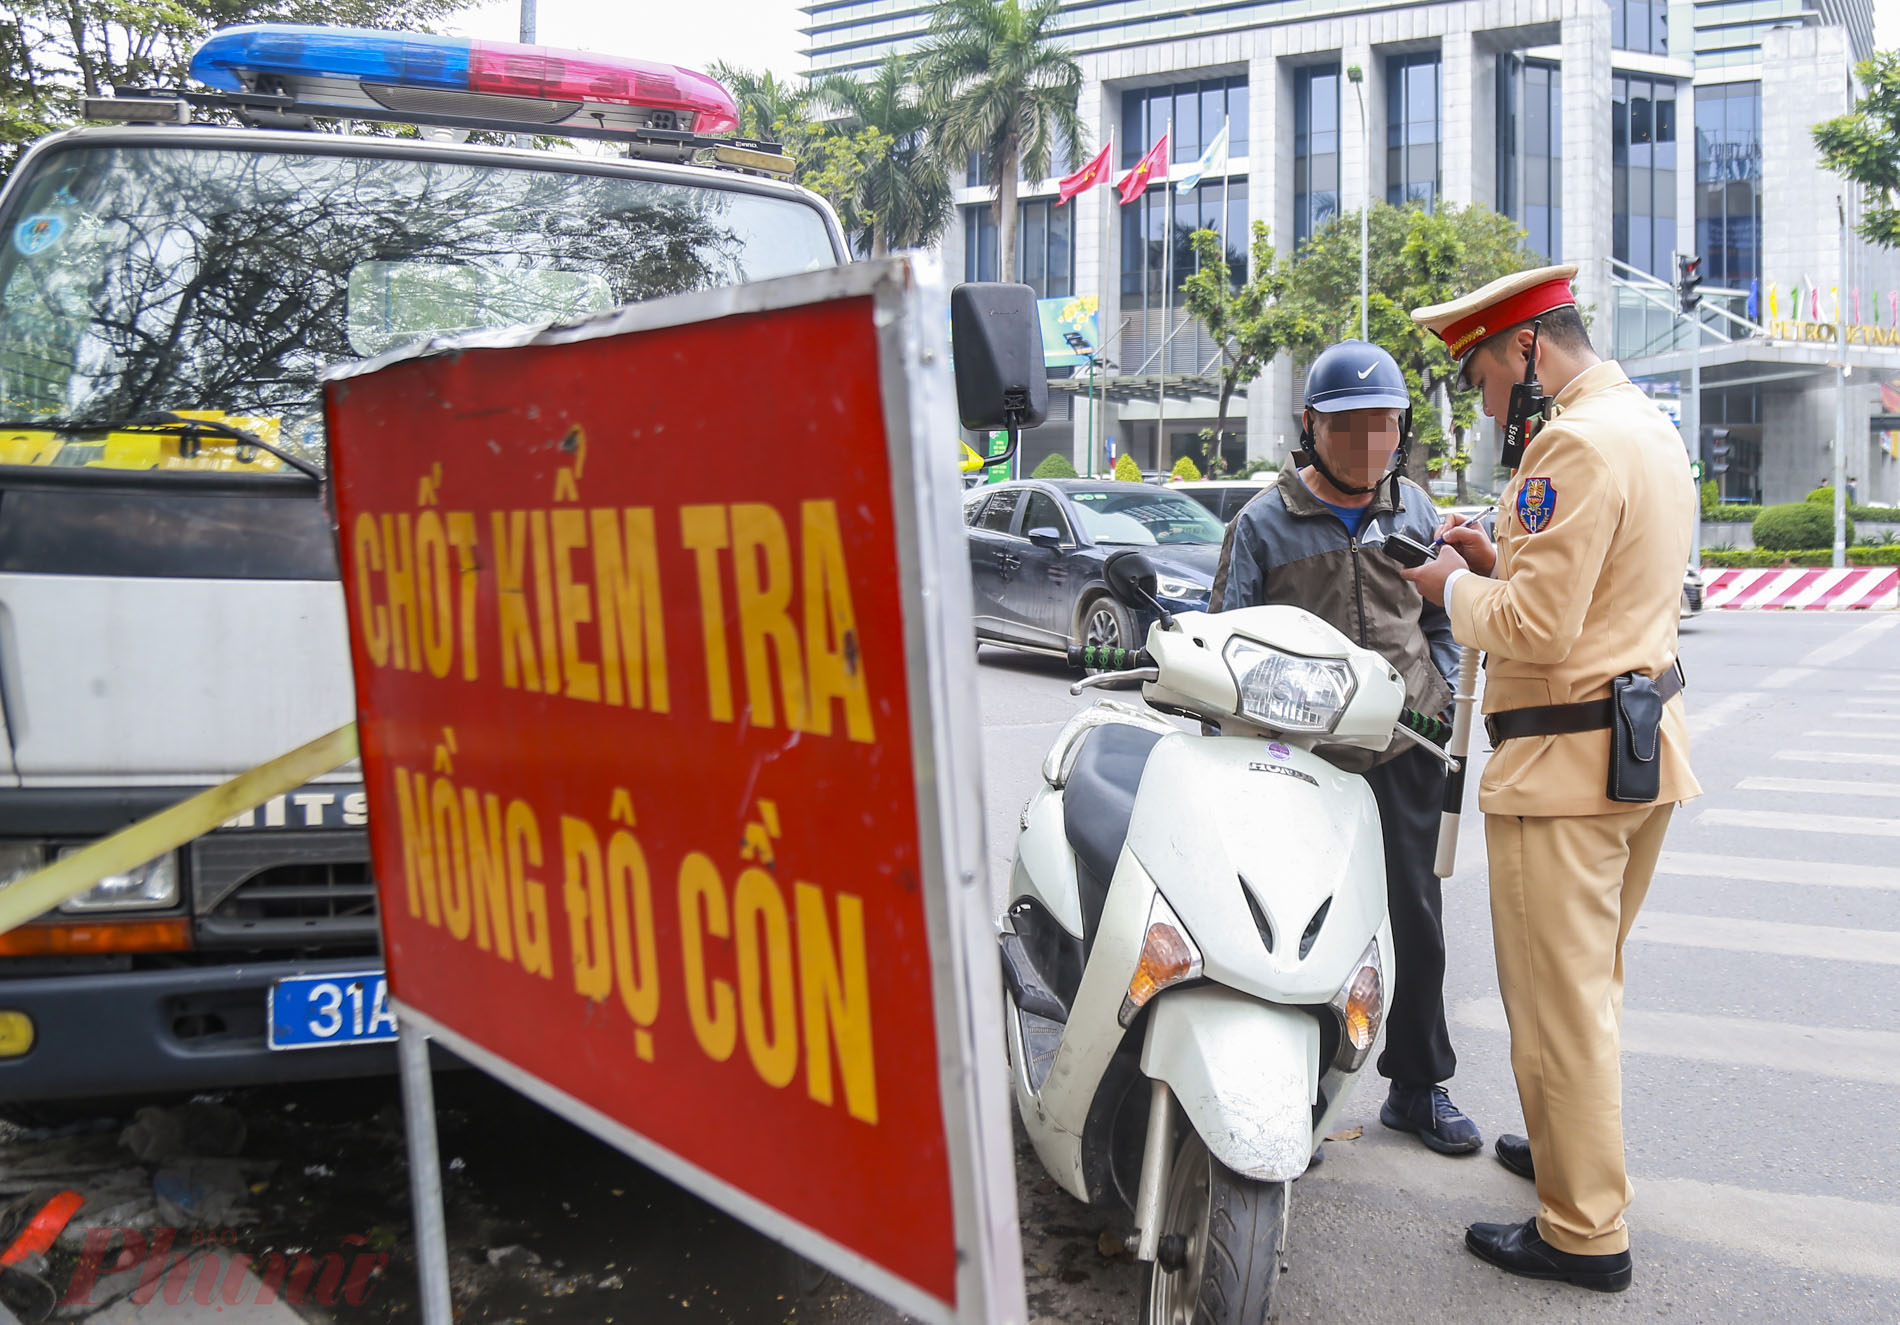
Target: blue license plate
x,y
312,1011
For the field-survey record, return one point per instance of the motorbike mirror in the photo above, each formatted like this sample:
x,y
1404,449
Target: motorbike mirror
x,y
996,344
1046,537
1131,578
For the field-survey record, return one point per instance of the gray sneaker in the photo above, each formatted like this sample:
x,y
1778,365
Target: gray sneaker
x,y
1429,1112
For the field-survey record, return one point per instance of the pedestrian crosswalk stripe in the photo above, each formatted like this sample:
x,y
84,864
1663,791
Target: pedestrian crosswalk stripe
x,y
1791,821
1769,937
1852,736
1867,715
1850,643
1706,719
1805,1232
1786,677
1853,758
1819,787
1817,873
1824,1051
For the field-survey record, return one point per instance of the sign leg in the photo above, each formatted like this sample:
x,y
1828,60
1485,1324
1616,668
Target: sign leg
x,y
425,1176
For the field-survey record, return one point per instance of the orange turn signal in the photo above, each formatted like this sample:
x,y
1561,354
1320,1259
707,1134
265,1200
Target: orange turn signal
x,y
173,935
1168,956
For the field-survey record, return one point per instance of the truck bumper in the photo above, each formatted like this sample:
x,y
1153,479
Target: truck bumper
x,y
137,1032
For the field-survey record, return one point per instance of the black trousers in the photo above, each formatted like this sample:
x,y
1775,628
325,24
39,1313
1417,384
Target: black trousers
x,y
1410,790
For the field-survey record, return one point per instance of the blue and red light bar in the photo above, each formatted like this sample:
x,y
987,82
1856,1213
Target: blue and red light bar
x,y
235,59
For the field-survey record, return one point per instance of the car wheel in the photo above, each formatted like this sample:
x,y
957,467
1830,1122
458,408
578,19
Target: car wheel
x,y
1106,624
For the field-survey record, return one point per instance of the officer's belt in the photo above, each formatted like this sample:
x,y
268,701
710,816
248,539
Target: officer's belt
x,y
1559,719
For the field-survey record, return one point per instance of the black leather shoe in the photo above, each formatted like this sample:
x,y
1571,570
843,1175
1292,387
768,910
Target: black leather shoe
x,y
1518,1249
1514,1153
1428,1111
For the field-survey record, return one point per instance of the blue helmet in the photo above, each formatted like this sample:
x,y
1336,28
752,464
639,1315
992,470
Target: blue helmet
x,y
1355,374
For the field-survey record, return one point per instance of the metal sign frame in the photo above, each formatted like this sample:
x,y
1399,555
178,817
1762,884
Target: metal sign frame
x,y
908,297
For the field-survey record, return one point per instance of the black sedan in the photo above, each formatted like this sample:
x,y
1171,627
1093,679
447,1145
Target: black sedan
x,y
1037,548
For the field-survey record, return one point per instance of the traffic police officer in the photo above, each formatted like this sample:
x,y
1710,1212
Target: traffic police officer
x,y
1576,607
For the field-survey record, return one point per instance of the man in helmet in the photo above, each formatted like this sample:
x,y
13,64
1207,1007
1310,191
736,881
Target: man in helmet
x,y
1313,540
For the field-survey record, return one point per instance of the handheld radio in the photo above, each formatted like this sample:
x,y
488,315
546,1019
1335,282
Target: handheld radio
x,y
1528,402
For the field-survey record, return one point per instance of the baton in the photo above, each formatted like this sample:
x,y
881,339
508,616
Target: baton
x,y
1460,746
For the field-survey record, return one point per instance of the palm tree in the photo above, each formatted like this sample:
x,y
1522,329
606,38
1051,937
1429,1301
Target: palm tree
x,y
903,198
764,102
998,87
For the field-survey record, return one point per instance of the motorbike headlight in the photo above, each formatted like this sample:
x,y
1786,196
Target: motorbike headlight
x,y
148,887
1170,586
1287,691
1360,1007
1168,957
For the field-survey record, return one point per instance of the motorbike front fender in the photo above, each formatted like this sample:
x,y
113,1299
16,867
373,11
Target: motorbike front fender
x,y
1246,1074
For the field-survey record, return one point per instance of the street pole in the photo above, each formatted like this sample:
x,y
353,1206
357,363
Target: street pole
x,y
1358,79
1840,405
1167,295
1692,422
1100,445
527,22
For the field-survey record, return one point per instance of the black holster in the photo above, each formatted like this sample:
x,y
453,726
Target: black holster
x,y
1636,709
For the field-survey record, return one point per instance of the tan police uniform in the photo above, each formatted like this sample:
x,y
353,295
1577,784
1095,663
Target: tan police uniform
x,y
1593,532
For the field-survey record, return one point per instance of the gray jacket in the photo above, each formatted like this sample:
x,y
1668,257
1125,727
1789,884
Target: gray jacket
x,y
1287,546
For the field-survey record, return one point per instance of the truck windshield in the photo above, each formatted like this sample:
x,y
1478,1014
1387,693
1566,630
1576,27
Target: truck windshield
x,y
221,282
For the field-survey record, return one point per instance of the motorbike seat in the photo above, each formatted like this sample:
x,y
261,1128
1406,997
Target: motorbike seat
x,y
1098,800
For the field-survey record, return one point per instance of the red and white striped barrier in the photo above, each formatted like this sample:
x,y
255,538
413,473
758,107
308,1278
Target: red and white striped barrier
x,y
1835,590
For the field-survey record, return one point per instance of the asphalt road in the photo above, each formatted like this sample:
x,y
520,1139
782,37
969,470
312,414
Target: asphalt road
x,y
1762,1040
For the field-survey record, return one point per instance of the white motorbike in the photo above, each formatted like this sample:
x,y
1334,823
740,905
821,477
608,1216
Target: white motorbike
x,y
1195,949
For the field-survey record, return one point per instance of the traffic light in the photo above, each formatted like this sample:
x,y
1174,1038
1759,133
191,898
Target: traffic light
x,y
1688,277
1718,450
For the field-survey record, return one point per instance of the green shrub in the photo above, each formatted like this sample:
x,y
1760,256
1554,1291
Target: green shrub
x,y
1253,467
1186,470
1126,469
1731,515
1054,465
1764,558
1711,497
1821,496
1797,526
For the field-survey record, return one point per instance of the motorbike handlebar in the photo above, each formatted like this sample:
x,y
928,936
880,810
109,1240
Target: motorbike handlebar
x,y
1099,658
1432,729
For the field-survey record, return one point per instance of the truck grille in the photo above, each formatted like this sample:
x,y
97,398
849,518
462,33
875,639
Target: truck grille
x,y
278,891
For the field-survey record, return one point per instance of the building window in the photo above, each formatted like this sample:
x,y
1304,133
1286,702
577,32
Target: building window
x,y
1197,110
1530,151
1045,246
1145,255
1315,149
1643,173
1640,25
1728,183
1411,130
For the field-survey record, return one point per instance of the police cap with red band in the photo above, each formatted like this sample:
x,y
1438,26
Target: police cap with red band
x,y
1463,324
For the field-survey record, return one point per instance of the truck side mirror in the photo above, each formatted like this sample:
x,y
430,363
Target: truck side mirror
x,y
996,343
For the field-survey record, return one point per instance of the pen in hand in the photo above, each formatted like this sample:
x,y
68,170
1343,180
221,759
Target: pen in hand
x,y
1471,523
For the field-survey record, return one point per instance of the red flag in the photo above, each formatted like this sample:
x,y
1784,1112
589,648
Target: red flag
x,y
1152,168
1084,179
